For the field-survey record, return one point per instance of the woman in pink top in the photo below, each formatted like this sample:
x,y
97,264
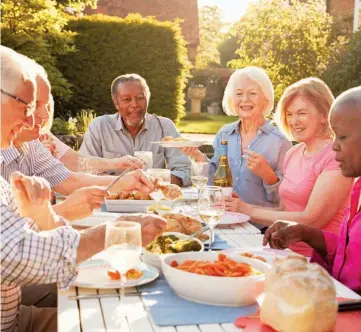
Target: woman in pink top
x,y
339,254
77,162
313,190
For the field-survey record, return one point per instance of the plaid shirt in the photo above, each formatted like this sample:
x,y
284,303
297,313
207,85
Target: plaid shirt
x,y
32,158
30,257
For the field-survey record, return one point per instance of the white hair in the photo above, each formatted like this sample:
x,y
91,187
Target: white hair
x,y
130,78
49,123
255,74
14,71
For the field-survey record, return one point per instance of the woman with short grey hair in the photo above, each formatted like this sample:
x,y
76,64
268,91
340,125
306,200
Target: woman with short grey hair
x,y
256,148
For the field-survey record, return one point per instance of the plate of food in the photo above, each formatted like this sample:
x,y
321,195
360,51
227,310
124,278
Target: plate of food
x,y
233,281
264,254
179,142
169,243
98,273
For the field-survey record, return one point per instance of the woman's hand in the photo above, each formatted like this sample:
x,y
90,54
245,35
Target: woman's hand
x,y
81,203
283,233
259,166
126,162
48,143
235,204
194,153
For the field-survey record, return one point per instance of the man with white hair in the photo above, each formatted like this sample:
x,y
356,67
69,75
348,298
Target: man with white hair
x,y
37,246
132,129
30,157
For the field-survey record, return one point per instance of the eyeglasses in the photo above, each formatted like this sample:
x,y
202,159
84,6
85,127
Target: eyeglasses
x,y
30,106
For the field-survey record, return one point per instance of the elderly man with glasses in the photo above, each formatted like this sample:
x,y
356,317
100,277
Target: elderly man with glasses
x,y
37,246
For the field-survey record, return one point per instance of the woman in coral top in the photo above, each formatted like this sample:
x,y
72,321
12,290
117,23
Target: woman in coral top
x,y
313,190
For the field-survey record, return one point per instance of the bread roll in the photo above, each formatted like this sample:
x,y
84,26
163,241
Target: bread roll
x,y
299,297
167,138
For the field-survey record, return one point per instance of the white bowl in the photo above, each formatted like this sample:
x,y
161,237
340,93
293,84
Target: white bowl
x,y
221,291
128,205
156,260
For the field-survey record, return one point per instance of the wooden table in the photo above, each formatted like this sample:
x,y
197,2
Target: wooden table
x,y
96,314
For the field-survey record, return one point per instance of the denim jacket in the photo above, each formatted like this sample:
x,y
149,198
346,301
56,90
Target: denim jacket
x,y
270,143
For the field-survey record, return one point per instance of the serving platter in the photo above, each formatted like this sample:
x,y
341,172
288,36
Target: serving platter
x,y
128,205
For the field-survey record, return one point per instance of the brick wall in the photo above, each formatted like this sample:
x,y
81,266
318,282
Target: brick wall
x,y
163,10
339,8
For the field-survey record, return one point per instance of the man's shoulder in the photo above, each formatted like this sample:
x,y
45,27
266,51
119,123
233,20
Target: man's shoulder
x,y
104,120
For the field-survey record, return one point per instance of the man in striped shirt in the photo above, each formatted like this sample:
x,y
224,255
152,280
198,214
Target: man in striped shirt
x,y
28,254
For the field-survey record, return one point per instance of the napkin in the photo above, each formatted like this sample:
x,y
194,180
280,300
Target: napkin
x,y
167,308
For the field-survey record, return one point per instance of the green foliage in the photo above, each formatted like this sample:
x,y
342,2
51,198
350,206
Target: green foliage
x,y
345,70
203,126
196,117
210,35
227,49
110,46
291,40
84,118
36,29
62,127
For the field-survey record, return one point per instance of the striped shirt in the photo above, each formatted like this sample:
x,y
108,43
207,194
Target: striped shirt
x,y
30,257
32,158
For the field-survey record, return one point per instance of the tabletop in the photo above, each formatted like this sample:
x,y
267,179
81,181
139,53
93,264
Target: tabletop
x,y
97,314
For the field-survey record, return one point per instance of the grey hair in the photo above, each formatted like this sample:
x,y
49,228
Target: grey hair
x,y
14,71
130,78
255,74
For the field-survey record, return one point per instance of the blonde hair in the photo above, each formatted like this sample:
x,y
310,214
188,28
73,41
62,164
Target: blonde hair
x,y
316,92
255,74
49,123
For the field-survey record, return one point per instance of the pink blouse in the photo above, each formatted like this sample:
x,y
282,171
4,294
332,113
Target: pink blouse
x,y
300,175
343,251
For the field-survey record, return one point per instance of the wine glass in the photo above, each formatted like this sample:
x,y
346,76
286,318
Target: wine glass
x,y
199,175
211,207
123,247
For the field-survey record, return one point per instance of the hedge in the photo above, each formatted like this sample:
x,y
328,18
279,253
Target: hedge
x,y
345,72
109,46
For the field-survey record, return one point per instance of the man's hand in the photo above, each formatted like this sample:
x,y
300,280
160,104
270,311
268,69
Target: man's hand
x,y
283,233
81,203
125,162
136,180
235,204
32,194
151,225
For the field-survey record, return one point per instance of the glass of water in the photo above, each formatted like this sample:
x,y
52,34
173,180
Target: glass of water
x,y
199,175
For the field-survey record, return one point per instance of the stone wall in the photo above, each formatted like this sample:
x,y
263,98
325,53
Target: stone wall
x,y
163,10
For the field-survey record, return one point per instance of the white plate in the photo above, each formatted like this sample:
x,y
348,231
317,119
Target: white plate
x,y
181,144
230,218
128,205
267,253
96,219
93,274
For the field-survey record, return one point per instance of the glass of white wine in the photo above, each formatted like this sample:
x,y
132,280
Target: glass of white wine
x,y
199,176
211,207
123,247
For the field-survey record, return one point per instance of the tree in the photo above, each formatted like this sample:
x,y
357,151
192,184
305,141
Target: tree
x,y
290,39
210,36
36,28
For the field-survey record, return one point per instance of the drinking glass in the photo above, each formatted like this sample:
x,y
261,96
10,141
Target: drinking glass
x,y
146,156
199,175
123,247
211,207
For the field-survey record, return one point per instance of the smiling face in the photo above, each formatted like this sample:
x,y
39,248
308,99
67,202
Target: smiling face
x,y
131,103
346,125
16,116
304,120
41,114
248,99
